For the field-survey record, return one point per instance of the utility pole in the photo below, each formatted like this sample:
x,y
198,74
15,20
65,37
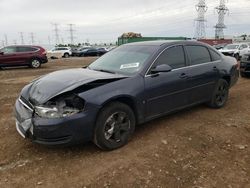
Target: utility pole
x,y
222,10
3,44
32,38
71,32
49,40
56,30
21,37
6,39
201,8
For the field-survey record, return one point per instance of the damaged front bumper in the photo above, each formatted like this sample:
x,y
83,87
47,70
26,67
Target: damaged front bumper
x,y
78,128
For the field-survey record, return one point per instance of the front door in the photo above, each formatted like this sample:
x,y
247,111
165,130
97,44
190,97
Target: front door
x,y
166,91
9,56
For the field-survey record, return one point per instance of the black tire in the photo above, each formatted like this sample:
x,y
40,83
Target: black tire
x,y
242,74
220,94
35,63
114,126
82,55
66,55
237,57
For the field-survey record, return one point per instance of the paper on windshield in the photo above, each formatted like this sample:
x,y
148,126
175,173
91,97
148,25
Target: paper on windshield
x,y
130,65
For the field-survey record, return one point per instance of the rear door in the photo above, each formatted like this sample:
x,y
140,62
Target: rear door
x,y
9,56
203,72
25,53
166,91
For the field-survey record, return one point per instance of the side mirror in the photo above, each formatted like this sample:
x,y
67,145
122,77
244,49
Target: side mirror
x,y
1,53
161,68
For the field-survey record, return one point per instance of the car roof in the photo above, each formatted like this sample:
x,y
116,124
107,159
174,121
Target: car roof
x,y
165,43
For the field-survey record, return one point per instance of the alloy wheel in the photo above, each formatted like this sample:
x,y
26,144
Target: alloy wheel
x,y
117,127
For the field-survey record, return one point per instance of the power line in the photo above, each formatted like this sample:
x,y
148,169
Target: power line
x,y
220,26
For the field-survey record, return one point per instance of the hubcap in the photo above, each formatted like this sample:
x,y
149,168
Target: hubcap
x,y
116,127
35,63
221,94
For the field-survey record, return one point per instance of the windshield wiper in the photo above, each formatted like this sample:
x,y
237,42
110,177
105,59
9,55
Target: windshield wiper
x,y
102,70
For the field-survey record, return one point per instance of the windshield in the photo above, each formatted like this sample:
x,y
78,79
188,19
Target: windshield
x,y
127,60
231,47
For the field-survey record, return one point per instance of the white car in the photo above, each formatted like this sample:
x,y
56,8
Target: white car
x,y
236,50
60,52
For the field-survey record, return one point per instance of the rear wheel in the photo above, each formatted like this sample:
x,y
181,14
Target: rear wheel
x,y
66,55
220,94
35,63
114,127
243,74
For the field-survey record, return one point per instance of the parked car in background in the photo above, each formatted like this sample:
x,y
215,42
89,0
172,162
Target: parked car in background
x,y
236,50
102,51
79,51
90,52
96,104
60,52
219,46
22,55
245,65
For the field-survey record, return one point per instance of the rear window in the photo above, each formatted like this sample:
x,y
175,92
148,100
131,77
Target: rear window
x,y
198,55
215,56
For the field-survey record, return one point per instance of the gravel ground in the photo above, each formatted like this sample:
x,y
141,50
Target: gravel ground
x,y
197,147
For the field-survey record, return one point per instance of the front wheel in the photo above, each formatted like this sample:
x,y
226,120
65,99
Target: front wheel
x,y
237,57
220,94
35,63
114,127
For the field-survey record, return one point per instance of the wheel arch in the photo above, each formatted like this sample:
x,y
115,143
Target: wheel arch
x,y
125,99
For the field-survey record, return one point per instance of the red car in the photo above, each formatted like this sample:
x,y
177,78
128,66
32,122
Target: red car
x,y
32,56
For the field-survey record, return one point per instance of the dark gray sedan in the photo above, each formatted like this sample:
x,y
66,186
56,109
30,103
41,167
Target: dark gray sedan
x,y
128,86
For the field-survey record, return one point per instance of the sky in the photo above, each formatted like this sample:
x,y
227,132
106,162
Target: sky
x,y
99,21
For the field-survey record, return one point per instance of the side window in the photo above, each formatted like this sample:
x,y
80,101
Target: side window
x,y
198,55
9,50
215,56
26,49
174,57
244,46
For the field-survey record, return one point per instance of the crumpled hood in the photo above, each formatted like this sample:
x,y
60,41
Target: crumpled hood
x,y
56,83
228,50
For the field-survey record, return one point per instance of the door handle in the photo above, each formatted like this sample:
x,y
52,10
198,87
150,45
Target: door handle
x,y
215,68
184,76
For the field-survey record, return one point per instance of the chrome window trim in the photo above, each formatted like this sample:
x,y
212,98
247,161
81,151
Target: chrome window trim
x,y
188,66
146,75
25,105
37,49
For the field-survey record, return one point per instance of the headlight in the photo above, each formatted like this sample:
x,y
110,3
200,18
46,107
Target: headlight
x,y
54,112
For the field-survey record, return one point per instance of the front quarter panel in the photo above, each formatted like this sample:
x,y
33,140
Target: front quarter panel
x,y
131,87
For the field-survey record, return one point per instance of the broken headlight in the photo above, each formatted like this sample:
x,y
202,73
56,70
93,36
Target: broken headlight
x,y
64,106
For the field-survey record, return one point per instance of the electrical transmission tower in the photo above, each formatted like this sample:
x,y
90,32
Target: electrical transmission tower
x,y
71,32
221,10
56,30
32,38
21,38
200,21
